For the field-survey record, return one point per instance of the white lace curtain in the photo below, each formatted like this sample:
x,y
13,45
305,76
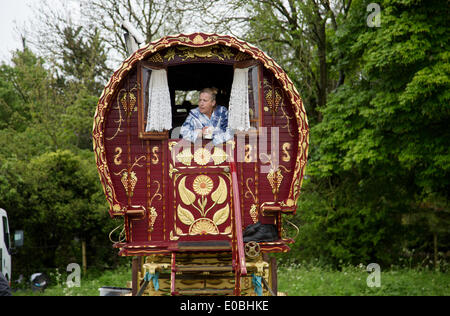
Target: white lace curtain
x,y
159,114
238,115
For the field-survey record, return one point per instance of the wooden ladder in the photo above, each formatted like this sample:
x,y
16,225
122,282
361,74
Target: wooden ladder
x,y
200,269
238,264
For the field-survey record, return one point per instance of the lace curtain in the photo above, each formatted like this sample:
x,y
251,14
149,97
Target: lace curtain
x,y
159,114
238,115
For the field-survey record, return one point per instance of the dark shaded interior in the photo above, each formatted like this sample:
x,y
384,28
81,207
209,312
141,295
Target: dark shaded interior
x,y
195,77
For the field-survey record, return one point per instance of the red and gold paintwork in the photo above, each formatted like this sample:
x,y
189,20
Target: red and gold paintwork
x,y
165,201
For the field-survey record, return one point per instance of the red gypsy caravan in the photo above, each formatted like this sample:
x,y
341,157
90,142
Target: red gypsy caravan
x,y
201,216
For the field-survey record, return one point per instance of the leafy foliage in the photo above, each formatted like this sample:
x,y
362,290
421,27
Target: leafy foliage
x,y
384,138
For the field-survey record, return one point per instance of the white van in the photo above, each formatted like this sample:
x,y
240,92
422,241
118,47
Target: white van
x,y
5,246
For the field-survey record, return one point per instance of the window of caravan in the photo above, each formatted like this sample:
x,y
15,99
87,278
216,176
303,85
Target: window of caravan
x,y
170,99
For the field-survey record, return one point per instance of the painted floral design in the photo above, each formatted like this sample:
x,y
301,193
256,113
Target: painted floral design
x,y
203,185
202,156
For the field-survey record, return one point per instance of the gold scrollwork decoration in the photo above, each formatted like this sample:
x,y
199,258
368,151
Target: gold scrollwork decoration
x,y
254,207
287,156
288,120
202,156
275,176
155,159
249,153
186,52
129,178
152,211
127,99
117,160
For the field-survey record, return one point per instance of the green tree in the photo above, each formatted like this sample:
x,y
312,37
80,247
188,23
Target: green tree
x,y
61,206
382,147
297,35
33,103
48,185
83,62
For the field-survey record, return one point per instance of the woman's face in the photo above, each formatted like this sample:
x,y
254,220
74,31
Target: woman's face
x,y
206,103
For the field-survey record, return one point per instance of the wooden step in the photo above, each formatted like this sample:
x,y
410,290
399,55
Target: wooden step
x,y
213,245
203,268
206,292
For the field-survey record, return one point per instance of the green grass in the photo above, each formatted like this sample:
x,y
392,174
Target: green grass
x,y
352,281
296,280
89,285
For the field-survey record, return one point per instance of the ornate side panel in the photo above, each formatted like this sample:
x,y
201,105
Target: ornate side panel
x,y
248,177
156,188
200,192
127,157
279,155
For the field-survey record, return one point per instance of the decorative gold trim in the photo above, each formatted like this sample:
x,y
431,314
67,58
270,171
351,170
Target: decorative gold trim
x,y
275,176
254,210
155,151
129,177
219,156
287,156
202,156
202,185
117,160
185,157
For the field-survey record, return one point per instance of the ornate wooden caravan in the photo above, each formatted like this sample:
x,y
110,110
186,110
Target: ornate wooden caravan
x,y
185,206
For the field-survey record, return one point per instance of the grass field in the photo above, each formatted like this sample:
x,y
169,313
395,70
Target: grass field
x,y
352,281
299,280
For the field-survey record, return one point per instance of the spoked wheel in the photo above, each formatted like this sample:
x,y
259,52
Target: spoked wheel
x,y
252,249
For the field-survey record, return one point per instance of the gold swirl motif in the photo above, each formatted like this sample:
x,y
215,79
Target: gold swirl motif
x,y
117,160
286,157
155,159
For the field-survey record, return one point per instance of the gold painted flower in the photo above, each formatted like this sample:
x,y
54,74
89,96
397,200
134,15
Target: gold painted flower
x,y
203,226
203,185
202,156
